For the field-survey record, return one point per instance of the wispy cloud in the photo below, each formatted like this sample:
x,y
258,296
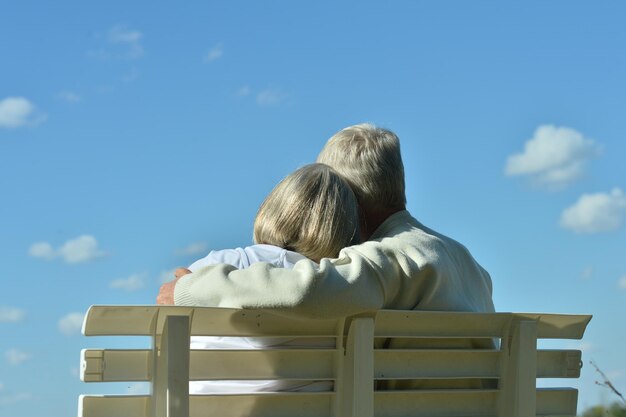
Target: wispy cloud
x,y
214,53
69,97
16,356
11,314
130,38
132,283
120,42
554,157
81,249
17,112
270,97
42,250
595,213
71,323
195,248
621,283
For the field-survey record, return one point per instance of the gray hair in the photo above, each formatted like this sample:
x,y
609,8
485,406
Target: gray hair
x,y
368,157
312,211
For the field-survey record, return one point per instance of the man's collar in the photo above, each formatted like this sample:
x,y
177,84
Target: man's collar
x,y
390,223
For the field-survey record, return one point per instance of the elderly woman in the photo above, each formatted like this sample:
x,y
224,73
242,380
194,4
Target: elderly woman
x,y
312,213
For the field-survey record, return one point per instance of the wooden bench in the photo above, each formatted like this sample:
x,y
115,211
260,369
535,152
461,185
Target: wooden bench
x,y
354,364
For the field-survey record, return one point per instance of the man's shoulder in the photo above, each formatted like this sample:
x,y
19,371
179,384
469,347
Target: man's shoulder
x,y
402,231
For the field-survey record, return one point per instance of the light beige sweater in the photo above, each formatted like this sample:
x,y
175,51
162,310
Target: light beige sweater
x,y
405,266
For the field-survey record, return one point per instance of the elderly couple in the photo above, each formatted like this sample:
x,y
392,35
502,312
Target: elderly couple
x,y
334,238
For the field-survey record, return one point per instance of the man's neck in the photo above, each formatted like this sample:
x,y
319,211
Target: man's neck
x,y
372,219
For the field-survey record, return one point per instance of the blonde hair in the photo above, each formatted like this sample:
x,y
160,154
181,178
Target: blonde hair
x,y
312,211
368,158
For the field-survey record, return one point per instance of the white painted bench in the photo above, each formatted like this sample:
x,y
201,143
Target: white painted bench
x,y
353,364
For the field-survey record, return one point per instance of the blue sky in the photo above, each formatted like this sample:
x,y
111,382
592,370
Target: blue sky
x,y
136,137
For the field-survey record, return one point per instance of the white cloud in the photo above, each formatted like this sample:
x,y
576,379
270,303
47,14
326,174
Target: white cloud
x,y
69,97
81,249
553,157
71,323
195,248
215,53
594,213
132,283
18,111
622,282
131,38
16,356
11,314
270,97
42,250
1,386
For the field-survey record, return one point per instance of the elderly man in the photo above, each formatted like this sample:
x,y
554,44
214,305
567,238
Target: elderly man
x,y
402,264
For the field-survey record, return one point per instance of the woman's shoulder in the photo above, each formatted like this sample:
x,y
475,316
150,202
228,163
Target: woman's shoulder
x,y
274,255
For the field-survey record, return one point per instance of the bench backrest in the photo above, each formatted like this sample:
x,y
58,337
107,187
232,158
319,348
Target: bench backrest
x,y
354,364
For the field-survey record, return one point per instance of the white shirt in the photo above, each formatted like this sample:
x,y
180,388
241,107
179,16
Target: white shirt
x,y
242,258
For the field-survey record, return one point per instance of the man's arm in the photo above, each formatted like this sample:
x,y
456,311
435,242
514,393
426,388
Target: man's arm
x,y
347,285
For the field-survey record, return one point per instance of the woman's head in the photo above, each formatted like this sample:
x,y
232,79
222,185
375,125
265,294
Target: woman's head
x,y
312,211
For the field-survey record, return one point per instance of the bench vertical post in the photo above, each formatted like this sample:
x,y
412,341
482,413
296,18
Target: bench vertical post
x,y
358,371
170,378
518,383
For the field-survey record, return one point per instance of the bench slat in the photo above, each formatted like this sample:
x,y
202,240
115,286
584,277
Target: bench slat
x,y
263,404
146,321
115,365
437,403
113,405
466,403
307,364
555,363
389,324
452,363
134,365
557,402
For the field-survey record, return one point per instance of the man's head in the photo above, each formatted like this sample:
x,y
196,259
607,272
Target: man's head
x,y
312,211
368,157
